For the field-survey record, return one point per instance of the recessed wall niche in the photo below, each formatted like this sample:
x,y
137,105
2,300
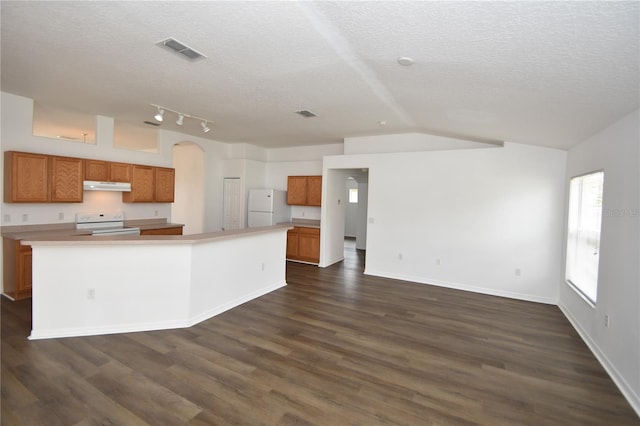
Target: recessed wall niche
x,y
61,124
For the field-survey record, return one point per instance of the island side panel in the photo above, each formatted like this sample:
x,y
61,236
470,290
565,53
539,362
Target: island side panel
x,y
227,275
104,289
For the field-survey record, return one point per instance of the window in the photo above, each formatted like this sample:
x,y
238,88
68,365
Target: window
x,y
353,195
583,236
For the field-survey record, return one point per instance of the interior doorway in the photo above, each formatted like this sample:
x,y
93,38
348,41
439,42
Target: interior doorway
x,y
337,187
232,203
188,207
357,197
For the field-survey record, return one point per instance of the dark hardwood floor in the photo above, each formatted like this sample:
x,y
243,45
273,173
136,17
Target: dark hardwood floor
x,y
334,347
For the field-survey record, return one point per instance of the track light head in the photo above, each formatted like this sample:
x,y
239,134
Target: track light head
x,y
205,128
180,120
159,115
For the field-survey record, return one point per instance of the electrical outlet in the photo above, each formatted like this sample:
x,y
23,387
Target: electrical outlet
x,y
91,293
60,216
399,256
262,266
7,218
518,272
607,321
438,262
156,213
25,217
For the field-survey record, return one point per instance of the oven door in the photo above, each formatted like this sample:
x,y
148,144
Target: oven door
x,y
117,231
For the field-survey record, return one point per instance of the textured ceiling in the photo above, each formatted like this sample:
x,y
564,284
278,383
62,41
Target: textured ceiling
x,y
542,73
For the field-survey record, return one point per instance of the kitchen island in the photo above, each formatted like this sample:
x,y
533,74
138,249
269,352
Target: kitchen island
x,y
88,286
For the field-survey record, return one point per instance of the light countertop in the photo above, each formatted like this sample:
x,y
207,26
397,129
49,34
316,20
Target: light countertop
x,y
148,239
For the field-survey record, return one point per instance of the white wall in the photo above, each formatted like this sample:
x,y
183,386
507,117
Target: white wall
x,y
361,230
483,213
409,142
188,208
616,150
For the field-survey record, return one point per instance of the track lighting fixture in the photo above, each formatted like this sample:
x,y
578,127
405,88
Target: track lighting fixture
x,y
204,123
159,115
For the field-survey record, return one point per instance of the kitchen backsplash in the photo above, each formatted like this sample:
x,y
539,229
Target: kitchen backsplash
x,y
94,202
305,212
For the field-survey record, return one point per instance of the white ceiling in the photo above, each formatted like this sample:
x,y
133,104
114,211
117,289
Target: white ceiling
x,y
542,73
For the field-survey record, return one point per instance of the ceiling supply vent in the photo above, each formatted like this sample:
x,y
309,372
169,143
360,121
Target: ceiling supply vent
x,y
180,48
306,113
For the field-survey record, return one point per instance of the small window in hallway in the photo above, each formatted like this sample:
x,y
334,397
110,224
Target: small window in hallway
x,y
353,195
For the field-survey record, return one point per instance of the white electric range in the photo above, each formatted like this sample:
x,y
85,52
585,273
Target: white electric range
x,y
104,224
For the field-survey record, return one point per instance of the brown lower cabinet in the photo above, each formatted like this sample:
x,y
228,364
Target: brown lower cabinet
x,y
17,276
177,230
303,244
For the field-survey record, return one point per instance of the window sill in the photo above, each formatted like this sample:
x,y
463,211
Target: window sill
x,y
579,293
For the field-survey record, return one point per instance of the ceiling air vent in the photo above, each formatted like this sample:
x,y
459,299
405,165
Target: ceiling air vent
x,y
180,48
306,114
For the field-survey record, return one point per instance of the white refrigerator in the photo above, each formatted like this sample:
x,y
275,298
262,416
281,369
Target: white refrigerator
x,y
267,207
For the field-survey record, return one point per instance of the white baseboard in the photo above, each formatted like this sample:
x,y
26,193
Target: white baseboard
x,y
465,287
618,379
210,313
96,331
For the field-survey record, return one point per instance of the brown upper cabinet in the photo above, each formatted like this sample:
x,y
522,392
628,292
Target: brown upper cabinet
x,y
119,172
65,179
165,184
40,178
107,171
142,185
304,190
150,184
26,177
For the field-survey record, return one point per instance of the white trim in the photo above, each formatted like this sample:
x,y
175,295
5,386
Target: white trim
x,y
466,287
95,331
210,313
618,379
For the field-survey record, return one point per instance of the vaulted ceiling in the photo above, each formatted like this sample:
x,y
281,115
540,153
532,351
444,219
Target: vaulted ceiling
x,y
542,73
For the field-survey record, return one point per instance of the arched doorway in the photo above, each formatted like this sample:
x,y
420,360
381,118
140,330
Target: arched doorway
x,y
189,204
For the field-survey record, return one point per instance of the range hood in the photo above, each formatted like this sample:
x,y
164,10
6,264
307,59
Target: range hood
x,y
92,185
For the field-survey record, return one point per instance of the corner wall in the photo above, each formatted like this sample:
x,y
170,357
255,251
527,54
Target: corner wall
x,y
616,150
466,219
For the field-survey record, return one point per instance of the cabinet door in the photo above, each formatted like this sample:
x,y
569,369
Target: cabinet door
x,y
292,243
25,277
66,176
297,190
96,170
165,185
314,190
309,244
142,185
119,172
26,177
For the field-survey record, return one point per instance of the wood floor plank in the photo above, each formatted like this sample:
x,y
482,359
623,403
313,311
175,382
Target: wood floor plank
x,y
333,347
